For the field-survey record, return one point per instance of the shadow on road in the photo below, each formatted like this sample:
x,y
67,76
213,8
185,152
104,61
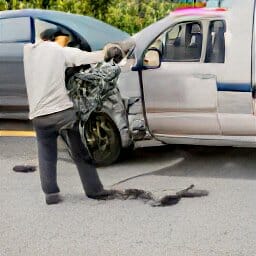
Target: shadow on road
x,y
200,161
15,125
185,160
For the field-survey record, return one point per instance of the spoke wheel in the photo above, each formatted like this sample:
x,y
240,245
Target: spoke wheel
x,y
103,139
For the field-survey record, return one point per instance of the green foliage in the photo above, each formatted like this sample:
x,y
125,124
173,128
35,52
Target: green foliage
x,y
128,15
134,15
3,5
98,8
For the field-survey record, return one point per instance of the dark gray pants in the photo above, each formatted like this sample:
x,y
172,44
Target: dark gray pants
x,y
48,128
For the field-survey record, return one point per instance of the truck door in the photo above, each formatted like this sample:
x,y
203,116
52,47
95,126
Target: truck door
x,y
181,95
235,102
14,33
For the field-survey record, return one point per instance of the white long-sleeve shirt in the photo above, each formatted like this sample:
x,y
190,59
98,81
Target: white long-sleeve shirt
x,y
44,65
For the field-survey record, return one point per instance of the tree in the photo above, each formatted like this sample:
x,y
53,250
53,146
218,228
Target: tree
x,y
128,15
134,15
3,5
98,8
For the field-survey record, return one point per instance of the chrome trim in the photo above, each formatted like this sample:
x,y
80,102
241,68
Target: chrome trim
x,y
209,140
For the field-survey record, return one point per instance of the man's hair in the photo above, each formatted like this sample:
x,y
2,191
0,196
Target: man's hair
x,y
51,33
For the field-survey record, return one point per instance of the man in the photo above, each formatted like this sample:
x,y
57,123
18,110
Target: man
x,y
52,112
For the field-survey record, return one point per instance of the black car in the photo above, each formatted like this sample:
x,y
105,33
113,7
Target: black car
x,y
24,26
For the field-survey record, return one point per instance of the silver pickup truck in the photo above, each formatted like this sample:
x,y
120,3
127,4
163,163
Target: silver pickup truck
x,y
191,78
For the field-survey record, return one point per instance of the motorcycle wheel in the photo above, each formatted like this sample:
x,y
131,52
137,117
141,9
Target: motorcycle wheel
x,y
102,139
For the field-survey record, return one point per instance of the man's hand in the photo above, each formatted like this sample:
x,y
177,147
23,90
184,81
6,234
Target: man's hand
x,y
113,51
118,50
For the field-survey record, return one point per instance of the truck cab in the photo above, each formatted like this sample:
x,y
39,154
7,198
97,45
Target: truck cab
x,y
194,75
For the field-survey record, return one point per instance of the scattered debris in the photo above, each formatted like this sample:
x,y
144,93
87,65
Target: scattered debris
x,y
149,198
24,168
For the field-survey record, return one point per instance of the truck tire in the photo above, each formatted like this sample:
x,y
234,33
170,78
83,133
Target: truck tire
x,y
102,139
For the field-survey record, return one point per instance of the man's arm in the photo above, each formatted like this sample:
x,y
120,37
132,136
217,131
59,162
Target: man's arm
x,y
115,51
77,57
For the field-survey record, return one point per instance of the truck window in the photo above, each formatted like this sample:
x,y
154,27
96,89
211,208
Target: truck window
x,y
183,42
219,3
15,30
215,50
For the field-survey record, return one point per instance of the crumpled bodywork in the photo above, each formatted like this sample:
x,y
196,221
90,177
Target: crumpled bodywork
x,y
95,90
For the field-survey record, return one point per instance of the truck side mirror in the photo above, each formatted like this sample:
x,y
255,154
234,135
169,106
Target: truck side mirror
x,y
152,59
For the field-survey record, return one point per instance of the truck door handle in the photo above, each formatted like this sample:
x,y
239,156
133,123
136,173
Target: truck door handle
x,y
205,76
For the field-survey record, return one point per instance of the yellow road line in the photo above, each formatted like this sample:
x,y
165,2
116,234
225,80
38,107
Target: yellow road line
x,y
9,133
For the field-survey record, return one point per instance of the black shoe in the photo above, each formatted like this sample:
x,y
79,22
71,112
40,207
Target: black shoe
x,y
53,198
103,194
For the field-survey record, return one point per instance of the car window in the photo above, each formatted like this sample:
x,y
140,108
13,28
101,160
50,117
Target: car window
x,y
14,30
215,50
41,25
75,41
183,42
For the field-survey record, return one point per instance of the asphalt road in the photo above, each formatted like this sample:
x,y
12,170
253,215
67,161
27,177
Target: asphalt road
x,y
13,125
224,223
